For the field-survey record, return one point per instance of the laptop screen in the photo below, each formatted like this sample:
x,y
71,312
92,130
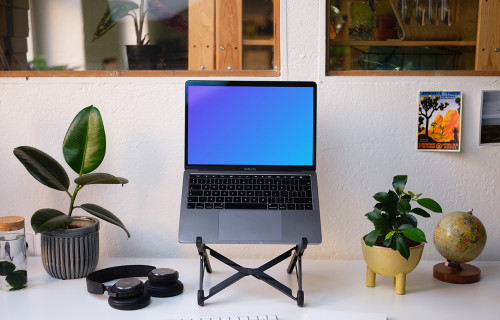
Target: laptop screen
x,y
250,124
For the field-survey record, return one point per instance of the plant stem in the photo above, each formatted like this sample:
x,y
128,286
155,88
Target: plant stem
x,y
73,197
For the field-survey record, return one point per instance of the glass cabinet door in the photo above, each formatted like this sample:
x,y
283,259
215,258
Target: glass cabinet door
x,y
401,35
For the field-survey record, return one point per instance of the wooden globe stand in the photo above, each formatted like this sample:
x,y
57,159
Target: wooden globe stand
x,y
454,272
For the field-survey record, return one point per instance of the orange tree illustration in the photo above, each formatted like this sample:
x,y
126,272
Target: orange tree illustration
x,y
428,105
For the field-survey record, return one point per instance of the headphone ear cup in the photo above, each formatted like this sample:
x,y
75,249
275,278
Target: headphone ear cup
x,y
130,303
163,291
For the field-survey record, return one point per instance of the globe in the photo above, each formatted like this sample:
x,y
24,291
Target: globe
x,y
460,236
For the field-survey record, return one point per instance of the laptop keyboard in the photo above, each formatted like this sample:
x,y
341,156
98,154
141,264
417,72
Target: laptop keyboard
x,y
266,192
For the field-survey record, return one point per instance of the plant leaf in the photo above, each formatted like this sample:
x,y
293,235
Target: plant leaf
x,y
43,167
430,204
399,183
371,238
115,11
47,220
404,206
100,178
414,234
374,215
6,268
17,279
84,145
104,214
421,212
405,226
389,235
402,247
408,219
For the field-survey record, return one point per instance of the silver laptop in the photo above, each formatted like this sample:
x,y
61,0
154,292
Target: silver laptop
x,y
250,161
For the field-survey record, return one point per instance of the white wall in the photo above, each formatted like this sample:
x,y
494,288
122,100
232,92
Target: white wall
x,y
366,134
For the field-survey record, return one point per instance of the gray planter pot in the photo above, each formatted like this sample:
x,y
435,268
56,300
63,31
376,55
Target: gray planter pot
x,y
72,253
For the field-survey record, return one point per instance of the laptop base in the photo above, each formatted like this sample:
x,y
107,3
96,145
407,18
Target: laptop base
x,y
295,262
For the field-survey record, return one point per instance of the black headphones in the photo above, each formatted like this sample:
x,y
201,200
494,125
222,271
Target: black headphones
x,y
130,293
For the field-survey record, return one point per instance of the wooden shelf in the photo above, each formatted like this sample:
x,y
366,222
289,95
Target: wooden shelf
x,y
258,42
402,43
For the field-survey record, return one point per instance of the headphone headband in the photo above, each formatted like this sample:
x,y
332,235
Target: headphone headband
x,y
95,280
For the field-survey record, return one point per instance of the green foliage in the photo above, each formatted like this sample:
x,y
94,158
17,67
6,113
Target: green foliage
x,y
84,147
393,220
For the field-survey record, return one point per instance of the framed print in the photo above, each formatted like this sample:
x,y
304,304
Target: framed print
x,y
439,121
490,118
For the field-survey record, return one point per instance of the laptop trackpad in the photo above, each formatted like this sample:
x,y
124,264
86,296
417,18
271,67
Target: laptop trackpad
x,y
250,225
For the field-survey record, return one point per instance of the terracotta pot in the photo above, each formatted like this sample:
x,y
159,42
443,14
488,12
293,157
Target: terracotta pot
x,y
72,253
389,263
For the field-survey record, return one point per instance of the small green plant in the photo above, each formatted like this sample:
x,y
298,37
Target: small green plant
x,y
393,217
84,147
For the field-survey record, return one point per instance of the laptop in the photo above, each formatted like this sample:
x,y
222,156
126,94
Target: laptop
x,y
250,161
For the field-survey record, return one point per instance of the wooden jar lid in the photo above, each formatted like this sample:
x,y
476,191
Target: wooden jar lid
x,y
11,223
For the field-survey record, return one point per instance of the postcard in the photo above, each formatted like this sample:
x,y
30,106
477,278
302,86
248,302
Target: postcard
x,y
439,121
490,118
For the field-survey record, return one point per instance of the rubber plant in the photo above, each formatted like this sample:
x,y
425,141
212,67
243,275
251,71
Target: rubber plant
x,y
393,217
84,147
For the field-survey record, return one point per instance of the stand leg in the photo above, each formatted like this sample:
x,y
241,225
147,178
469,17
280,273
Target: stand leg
x,y
370,277
400,283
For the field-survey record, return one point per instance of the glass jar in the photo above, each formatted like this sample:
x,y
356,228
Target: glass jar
x,y
13,275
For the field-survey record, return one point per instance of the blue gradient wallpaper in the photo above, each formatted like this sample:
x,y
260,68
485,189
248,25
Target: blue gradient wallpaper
x,y
241,125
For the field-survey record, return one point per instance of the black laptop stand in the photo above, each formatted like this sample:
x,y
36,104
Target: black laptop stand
x,y
296,262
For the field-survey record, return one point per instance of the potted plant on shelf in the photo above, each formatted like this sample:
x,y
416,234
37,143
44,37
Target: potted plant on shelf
x,y
395,246
142,55
70,245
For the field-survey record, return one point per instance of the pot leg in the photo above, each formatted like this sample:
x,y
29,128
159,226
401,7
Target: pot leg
x,y
400,283
370,277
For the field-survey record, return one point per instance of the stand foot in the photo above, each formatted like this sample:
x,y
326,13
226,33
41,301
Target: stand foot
x,y
370,277
300,298
400,280
461,273
201,298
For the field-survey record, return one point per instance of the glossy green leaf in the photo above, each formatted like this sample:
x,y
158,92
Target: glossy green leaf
x,y
104,214
389,235
404,206
405,226
414,234
84,145
6,268
374,215
17,279
430,204
47,220
115,11
387,197
390,243
402,247
407,219
100,178
43,167
371,238
421,212
399,183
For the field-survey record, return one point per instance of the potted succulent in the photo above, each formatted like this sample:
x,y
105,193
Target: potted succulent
x,y
395,246
70,245
142,55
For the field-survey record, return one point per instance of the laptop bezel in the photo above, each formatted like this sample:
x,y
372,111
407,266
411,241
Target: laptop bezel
x,y
249,168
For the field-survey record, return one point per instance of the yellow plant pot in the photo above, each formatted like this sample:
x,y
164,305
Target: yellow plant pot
x,y
389,263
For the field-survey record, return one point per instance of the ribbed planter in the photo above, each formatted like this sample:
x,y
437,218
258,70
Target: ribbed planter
x,y
72,253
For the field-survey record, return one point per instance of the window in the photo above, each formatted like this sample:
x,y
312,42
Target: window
x,y
139,37
429,36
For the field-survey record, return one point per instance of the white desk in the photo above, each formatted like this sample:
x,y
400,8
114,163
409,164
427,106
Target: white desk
x,y
331,287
